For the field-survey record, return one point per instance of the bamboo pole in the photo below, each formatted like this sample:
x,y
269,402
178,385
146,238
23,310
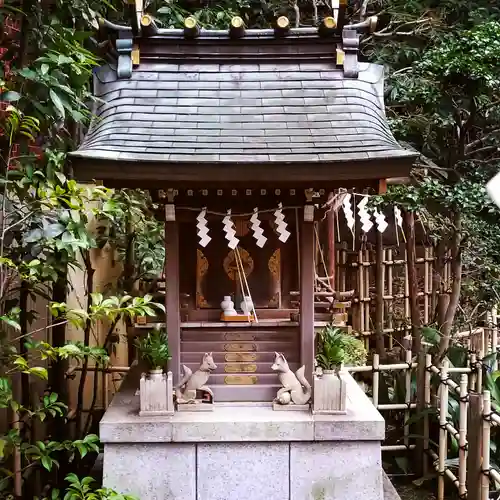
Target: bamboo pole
x,y
390,308
407,396
366,304
397,447
485,478
443,433
427,399
427,292
379,295
361,293
462,439
473,377
412,281
494,337
376,375
479,372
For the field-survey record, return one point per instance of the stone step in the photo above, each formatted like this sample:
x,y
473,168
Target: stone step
x,y
236,368
195,356
239,393
263,346
240,379
214,335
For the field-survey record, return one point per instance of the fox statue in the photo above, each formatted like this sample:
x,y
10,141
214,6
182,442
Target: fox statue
x,y
185,390
296,389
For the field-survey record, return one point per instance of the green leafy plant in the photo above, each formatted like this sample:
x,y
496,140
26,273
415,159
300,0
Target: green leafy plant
x,y
335,347
153,349
81,489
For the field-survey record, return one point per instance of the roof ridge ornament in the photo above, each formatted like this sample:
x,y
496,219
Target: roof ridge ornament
x,y
124,48
350,44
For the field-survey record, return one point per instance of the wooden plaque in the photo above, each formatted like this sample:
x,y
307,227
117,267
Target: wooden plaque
x,y
241,380
240,368
240,357
239,347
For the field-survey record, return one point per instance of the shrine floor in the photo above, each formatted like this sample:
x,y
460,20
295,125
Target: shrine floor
x,y
244,450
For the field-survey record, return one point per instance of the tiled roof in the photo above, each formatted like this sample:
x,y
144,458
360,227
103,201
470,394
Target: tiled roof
x,y
201,112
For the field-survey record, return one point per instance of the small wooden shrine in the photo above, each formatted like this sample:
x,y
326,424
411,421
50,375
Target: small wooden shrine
x,y
245,136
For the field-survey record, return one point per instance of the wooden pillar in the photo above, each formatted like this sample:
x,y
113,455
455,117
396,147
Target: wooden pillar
x,y
172,296
307,297
331,242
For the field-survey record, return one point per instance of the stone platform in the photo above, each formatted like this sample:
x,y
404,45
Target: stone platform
x,y
243,451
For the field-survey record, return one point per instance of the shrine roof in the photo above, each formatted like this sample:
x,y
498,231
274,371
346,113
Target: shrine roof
x,y
253,101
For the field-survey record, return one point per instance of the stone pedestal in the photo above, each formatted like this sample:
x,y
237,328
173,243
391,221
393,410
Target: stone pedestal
x,y
244,451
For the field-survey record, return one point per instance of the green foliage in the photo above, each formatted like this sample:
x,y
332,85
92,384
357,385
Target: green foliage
x,y
153,348
334,347
82,490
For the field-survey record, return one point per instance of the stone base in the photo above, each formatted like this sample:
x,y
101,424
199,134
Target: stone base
x,y
243,451
290,407
329,412
153,413
195,407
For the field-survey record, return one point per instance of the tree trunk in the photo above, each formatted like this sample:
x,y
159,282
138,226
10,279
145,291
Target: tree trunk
x,y
58,368
456,276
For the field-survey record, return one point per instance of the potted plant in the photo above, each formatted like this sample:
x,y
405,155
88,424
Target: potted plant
x,y
334,349
156,388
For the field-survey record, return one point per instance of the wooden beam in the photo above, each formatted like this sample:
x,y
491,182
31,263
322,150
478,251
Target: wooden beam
x,y
172,296
307,272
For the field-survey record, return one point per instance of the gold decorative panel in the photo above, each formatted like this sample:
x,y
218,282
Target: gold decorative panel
x,y
241,379
201,270
243,357
240,368
230,264
240,347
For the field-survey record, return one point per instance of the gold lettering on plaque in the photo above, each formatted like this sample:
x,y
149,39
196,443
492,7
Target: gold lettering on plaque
x,y
240,368
244,357
240,347
241,380
239,336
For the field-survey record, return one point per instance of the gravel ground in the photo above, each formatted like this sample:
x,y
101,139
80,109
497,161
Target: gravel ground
x,y
412,492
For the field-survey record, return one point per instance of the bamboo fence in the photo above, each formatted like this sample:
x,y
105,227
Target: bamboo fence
x,y
357,270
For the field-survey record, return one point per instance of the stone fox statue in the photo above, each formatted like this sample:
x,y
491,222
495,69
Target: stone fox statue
x,y
192,382
295,386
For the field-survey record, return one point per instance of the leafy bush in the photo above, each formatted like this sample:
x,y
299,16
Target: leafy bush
x,y
335,347
154,349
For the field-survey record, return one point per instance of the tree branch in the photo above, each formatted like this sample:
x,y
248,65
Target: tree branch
x,y
477,142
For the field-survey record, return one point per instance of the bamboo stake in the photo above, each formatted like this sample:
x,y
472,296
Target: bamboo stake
x,y
494,337
485,479
472,379
390,305
407,290
427,400
376,375
462,440
407,396
479,365
397,447
443,434
361,291
367,293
